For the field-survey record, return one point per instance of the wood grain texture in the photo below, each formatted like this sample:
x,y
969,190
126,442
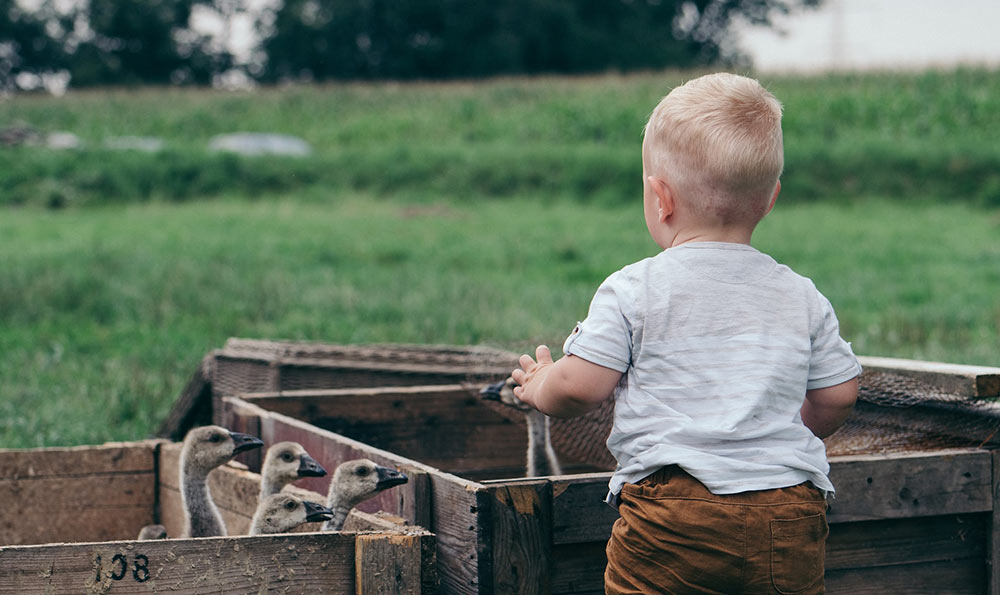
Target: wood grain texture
x,y
86,493
522,537
301,563
894,542
871,487
402,564
445,426
970,381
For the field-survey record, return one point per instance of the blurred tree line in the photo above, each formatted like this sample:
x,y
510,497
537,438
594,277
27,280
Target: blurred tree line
x,y
82,43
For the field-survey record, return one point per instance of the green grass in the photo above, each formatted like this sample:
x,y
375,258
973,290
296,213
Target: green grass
x,y
457,213
886,134
105,312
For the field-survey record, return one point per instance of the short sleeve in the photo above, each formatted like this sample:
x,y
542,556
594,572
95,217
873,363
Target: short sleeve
x,y
605,336
832,361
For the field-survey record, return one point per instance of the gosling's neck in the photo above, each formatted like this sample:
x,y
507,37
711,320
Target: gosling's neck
x,y
340,508
542,459
202,516
269,487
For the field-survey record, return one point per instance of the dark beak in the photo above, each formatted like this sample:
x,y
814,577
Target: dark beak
x,y
244,442
308,467
491,392
388,478
317,512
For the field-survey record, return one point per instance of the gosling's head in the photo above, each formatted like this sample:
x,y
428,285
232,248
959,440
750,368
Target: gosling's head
x,y
287,461
207,447
355,481
503,392
280,513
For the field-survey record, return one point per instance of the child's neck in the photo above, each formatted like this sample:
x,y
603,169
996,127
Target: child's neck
x,y
732,235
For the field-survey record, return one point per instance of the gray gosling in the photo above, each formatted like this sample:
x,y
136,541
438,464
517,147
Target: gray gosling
x,y
282,512
152,532
206,448
354,482
284,463
542,458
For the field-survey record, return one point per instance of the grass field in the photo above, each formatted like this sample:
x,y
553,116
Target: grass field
x,y
454,213
106,311
930,133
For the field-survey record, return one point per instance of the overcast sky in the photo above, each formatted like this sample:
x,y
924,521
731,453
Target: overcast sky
x,y
881,33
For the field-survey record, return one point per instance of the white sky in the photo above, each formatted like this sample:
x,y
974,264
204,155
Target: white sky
x,y
858,34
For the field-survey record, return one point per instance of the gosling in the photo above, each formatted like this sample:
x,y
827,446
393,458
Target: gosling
x,y
354,482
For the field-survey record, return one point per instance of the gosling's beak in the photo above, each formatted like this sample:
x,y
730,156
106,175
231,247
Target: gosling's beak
x,y
317,512
244,442
309,467
388,478
491,392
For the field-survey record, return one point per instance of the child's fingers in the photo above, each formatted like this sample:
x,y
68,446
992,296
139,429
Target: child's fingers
x,y
518,376
526,363
543,355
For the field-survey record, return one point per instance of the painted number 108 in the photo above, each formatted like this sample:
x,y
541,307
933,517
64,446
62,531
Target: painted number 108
x,y
119,568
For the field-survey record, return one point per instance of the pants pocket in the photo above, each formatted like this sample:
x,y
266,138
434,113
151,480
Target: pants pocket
x,y
798,549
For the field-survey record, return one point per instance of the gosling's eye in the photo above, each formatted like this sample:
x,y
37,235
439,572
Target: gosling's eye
x,y
362,471
287,457
290,505
215,438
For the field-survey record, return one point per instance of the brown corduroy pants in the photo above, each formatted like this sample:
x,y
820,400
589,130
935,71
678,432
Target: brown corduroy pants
x,y
674,536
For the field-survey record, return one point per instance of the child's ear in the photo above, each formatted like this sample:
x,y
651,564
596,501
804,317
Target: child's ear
x,y
664,197
774,197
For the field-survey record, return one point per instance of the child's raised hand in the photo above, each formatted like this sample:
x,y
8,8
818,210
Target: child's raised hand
x,y
529,371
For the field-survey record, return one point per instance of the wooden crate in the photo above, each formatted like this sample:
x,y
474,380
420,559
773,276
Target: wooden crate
x,y
70,516
915,521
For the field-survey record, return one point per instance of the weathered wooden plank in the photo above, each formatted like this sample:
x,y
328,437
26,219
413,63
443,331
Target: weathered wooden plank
x,y
578,568
871,487
444,426
82,493
970,381
407,404
298,563
993,538
402,563
522,537
579,514
113,457
917,540
95,507
964,576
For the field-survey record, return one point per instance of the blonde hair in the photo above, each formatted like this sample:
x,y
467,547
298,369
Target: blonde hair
x,y
717,141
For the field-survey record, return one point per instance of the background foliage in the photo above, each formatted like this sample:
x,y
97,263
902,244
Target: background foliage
x,y
127,42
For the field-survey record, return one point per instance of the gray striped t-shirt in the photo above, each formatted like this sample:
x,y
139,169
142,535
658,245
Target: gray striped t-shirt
x,y
717,344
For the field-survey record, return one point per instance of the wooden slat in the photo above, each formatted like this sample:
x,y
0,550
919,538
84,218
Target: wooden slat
x,y
954,577
299,563
522,537
895,542
444,426
578,568
579,514
113,457
871,487
970,381
77,494
993,539
401,564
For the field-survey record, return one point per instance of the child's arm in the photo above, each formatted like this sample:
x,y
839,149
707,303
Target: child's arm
x,y
826,409
569,387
